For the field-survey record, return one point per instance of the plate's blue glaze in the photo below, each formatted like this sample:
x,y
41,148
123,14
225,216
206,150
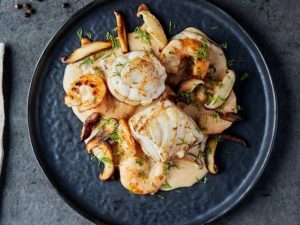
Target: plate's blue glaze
x,y
55,131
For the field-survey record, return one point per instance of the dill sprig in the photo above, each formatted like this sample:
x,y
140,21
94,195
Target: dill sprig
x,y
103,159
245,76
79,33
183,142
224,45
166,185
139,161
89,35
202,50
87,61
104,123
115,44
171,27
143,35
119,68
166,169
214,27
218,138
215,115
218,100
161,197
232,61
115,134
186,97
204,180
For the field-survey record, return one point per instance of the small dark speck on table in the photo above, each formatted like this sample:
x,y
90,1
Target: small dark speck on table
x,y
26,195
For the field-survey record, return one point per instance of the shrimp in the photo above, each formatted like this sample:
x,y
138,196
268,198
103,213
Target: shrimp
x,y
138,173
176,51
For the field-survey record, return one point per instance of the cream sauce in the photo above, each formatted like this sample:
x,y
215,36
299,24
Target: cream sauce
x,y
189,169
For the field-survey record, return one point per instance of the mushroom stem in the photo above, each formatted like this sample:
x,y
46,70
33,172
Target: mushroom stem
x,y
211,148
103,152
89,124
231,116
122,34
233,138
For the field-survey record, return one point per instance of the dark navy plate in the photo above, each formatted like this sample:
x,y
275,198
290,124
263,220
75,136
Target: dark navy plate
x,y
55,131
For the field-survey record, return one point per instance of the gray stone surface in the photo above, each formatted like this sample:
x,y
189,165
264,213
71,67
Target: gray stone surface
x,y
27,197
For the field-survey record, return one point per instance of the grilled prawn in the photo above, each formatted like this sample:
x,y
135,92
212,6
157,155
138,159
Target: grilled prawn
x,y
138,173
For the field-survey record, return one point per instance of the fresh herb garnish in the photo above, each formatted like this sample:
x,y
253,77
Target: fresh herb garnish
x,y
87,61
143,35
161,197
142,174
183,142
224,45
115,30
245,76
232,61
116,137
186,97
119,67
115,134
218,100
79,33
92,156
115,44
105,160
218,138
204,180
106,54
166,185
214,27
104,123
153,185
201,154
171,52
171,27
215,115
166,169
237,109
140,161
89,35
209,96
202,50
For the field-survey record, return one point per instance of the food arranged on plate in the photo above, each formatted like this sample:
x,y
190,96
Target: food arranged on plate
x,y
153,109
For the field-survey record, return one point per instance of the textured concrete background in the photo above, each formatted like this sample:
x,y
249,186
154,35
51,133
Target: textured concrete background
x,y
26,195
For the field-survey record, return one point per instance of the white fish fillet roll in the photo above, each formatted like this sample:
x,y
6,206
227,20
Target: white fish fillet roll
x,y
164,131
136,78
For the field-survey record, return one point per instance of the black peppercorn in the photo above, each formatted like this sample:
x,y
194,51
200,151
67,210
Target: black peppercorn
x,y
65,5
18,6
30,11
27,14
27,5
